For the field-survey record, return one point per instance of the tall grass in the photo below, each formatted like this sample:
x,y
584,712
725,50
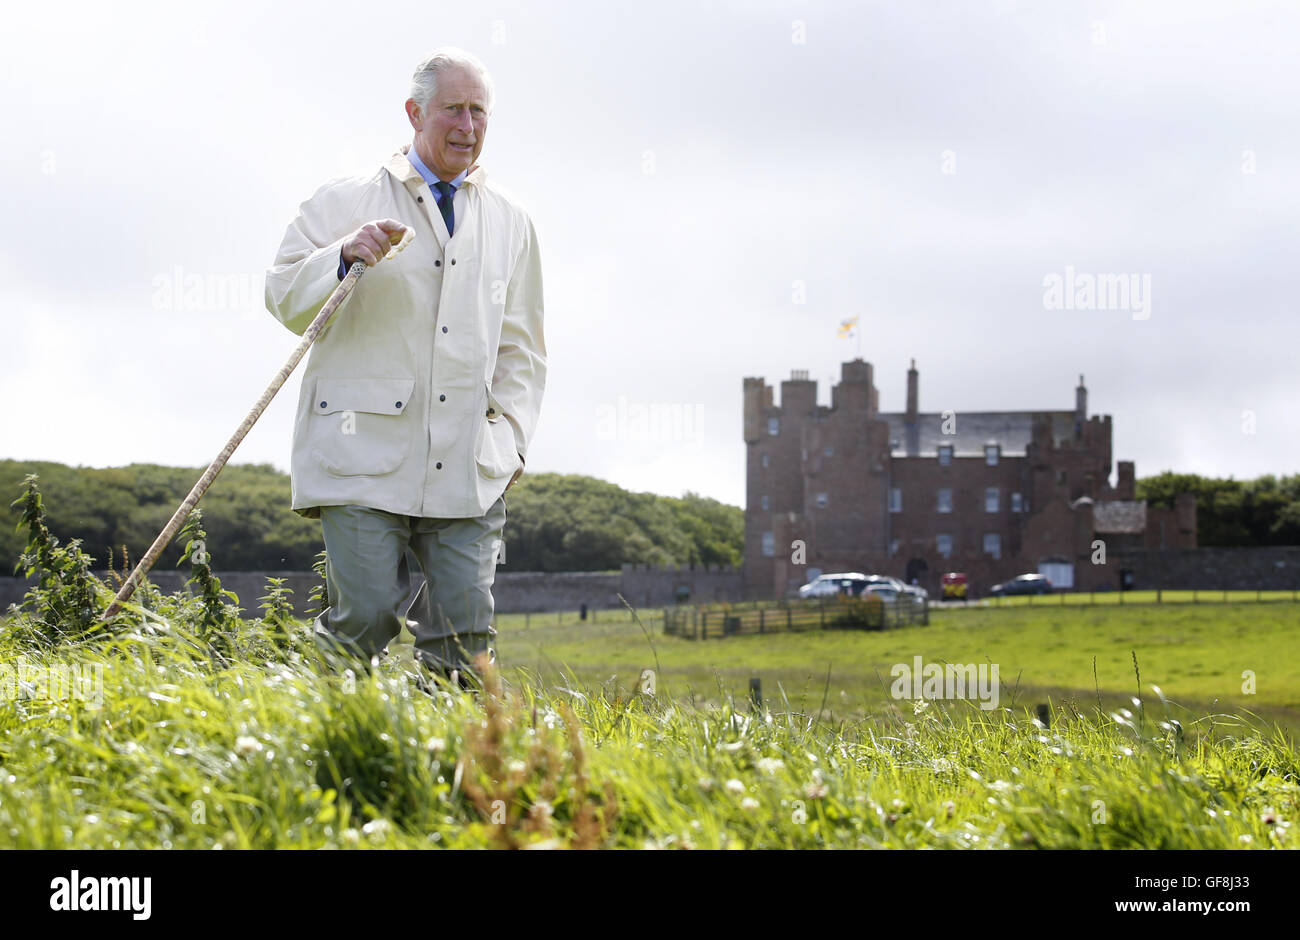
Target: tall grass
x,y
211,732
291,751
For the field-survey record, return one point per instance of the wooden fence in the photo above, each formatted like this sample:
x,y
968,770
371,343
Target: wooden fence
x,y
827,613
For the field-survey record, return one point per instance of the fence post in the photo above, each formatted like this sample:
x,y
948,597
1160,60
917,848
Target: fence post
x,y
704,623
1159,593
1044,714
527,616
756,692
823,626
762,620
789,620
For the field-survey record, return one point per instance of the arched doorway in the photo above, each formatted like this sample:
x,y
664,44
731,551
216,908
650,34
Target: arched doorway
x,y
917,569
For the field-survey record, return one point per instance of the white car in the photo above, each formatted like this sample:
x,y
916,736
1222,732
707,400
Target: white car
x,y
885,591
828,585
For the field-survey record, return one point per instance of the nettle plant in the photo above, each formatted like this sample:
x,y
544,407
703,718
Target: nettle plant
x,y
218,615
67,601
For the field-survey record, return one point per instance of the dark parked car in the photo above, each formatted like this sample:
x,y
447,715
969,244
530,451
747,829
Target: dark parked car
x,y
1025,584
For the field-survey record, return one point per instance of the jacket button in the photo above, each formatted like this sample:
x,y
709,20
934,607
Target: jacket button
x,y
437,263
438,465
397,405
453,260
444,329
322,404
442,398
419,199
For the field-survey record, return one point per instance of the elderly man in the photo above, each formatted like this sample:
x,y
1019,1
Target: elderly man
x,y
419,402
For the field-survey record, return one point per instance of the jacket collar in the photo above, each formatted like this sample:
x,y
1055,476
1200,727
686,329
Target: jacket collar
x,y
401,168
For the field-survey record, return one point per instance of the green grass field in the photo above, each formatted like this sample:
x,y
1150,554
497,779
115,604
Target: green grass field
x,y
234,739
1196,654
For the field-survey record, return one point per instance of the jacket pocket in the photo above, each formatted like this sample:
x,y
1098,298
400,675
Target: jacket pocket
x,y
358,425
496,455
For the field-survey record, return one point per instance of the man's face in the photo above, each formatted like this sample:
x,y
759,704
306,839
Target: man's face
x,y
449,132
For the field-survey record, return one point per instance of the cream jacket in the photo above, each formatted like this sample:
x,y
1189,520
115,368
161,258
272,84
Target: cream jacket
x,y
421,396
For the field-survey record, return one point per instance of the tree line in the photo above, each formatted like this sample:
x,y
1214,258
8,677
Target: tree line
x,y
1233,513
555,522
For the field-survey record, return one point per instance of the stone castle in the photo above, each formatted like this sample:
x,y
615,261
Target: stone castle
x,y
915,494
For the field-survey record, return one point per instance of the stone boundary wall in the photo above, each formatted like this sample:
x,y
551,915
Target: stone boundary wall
x,y
1272,568
514,591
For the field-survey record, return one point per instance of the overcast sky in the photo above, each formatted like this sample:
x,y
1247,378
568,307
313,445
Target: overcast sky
x,y
715,187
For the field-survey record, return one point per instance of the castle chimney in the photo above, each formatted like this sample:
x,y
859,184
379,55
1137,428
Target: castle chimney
x,y
913,392
1126,481
758,395
1081,402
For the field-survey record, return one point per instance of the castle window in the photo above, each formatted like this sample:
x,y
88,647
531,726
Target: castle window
x,y
1016,503
991,452
945,500
895,499
1061,478
822,500
945,455
895,545
764,502
767,460
991,499
774,426
943,544
993,544
829,451
769,545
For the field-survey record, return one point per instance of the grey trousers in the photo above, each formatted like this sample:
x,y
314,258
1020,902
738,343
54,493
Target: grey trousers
x,y
369,554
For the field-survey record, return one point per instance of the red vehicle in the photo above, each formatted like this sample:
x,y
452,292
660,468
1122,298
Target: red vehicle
x,y
954,585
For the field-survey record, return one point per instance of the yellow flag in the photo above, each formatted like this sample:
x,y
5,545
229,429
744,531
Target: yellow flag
x,y
847,327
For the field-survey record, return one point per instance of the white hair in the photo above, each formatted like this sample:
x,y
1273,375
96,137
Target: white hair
x,y
424,83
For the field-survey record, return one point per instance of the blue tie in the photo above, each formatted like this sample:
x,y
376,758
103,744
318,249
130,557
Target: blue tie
x,y
445,204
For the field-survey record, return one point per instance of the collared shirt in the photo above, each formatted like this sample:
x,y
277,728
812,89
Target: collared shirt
x,y
432,178
429,177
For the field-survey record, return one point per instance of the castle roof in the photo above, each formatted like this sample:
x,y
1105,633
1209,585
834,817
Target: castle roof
x,y
1013,430
1120,516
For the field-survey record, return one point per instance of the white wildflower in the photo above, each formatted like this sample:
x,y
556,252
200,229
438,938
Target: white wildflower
x,y
246,745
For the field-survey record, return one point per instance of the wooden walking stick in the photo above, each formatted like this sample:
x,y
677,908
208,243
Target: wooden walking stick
x,y
182,512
